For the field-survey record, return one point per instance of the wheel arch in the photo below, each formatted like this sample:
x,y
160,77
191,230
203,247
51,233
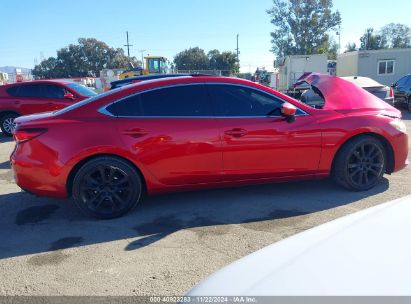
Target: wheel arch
x,y
79,164
390,161
5,112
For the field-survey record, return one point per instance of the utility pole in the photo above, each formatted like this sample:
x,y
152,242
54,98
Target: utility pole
x,y
128,46
142,57
339,38
238,50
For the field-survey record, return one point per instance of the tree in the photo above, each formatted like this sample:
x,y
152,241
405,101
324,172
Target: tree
x,y
301,27
87,58
330,48
350,47
397,35
192,59
213,58
372,41
225,61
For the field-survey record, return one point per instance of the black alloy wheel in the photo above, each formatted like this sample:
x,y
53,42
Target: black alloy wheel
x,y
107,187
360,164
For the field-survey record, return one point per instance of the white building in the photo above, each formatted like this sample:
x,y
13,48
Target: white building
x,y
385,66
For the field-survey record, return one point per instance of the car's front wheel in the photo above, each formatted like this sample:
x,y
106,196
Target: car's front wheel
x,y
7,123
360,164
107,187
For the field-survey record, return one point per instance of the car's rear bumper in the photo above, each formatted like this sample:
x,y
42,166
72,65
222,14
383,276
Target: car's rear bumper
x,y
41,176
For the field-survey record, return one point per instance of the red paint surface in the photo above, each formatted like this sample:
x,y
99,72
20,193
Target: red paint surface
x,y
178,154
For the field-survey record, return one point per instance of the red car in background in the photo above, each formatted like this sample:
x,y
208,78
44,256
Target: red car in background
x,y
35,97
194,132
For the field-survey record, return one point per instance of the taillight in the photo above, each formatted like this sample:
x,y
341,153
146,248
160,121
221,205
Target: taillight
x,y
391,92
25,134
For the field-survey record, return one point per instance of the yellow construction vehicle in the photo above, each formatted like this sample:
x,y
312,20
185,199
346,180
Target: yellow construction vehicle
x,y
153,65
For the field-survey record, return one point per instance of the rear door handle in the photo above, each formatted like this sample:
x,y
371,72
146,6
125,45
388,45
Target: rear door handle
x,y
135,132
236,132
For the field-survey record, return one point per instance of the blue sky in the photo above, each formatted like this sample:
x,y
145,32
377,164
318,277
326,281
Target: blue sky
x,y
35,28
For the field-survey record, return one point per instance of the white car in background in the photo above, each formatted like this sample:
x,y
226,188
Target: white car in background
x,y
383,92
365,253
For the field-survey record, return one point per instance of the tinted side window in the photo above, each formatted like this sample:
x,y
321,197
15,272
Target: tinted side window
x,y
13,91
30,90
402,81
230,100
52,91
183,101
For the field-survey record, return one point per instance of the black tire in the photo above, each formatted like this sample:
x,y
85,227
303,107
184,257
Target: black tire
x,y
7,123
360,163
409,104
107,187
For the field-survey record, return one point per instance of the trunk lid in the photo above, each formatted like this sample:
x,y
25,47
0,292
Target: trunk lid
x,y
344,96
33,117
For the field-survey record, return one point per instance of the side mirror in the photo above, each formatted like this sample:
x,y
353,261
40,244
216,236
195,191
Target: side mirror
x,y
288,111
69,95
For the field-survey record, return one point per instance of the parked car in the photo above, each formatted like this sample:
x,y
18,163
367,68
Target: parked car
x,y
130,80
381,91
362,254
402,91
24,98
196,132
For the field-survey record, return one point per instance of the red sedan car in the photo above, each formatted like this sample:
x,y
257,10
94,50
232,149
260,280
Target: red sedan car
x,y
196,132
24,98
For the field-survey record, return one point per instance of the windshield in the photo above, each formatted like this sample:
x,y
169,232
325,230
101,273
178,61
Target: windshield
x,y
86,101
81,89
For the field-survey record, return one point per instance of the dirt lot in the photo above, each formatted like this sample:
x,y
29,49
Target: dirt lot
x,y
165,246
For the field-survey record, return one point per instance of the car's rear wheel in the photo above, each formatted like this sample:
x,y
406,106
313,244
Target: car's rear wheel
x,y
360,164
107,187
7,123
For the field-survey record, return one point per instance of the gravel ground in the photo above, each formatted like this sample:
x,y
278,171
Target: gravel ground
x,y
166,245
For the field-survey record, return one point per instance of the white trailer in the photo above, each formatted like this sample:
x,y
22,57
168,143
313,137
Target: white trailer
x,y
292,67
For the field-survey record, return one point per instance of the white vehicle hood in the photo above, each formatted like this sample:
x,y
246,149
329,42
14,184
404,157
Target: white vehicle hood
x,y
366,253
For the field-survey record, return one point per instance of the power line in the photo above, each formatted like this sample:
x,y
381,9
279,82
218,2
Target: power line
x,y
238,50
128,46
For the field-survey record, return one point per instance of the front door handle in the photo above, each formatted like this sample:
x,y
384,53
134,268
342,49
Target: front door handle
x,y
236,132
135,132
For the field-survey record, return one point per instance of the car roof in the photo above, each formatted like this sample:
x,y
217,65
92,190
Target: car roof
x,y
197,78
129,80
38,82
145,77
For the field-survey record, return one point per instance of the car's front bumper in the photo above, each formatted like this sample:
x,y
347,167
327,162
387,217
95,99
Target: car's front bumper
x,y
400,146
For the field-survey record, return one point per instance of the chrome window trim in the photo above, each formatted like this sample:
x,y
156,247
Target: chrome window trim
x,y
103,110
